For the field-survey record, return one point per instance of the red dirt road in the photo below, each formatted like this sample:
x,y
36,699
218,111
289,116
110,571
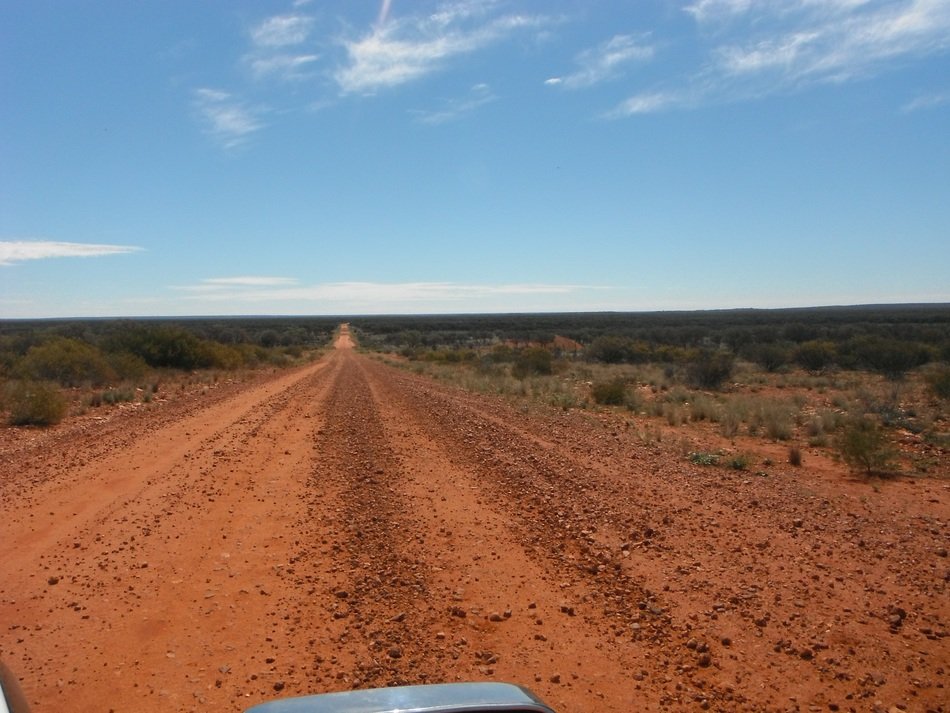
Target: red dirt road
x,y
348,524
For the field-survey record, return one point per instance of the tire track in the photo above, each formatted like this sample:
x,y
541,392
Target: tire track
x,y
381,603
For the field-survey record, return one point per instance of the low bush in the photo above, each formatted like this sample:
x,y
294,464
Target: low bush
x,y
704,408
700,458
863,444
533,361
32,403
816,355
710,368
609,393
115,396
739,461
795,456
69,362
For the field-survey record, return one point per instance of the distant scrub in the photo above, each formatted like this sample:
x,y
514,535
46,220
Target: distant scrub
x,y
40,357
166,346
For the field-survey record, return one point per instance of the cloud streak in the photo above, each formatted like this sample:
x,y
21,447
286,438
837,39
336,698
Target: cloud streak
x,y
14,251
402,50
282,31
269,289
927,101
227,119
781,46
479,96
605,62
275,50
248,281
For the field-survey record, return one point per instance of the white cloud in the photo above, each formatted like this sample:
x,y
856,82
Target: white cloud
x,y
926,101
226,118
405,49
271,52
283,66
707,10
765,47
282,31
249,281
605,61
478,96
365,292
647,103
836,41
13,251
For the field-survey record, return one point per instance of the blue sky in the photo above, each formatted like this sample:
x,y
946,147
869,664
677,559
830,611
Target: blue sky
x,y
195,158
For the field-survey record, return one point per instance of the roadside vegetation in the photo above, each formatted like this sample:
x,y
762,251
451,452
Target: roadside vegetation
x,y
868,386
53,368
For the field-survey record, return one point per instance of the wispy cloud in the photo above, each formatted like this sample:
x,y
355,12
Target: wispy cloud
x,y
605,61
774,46
401,50
226,117
837,41
275,47
927,101
282,30
648,103
14,251
282,66
284,289
478,96
249,281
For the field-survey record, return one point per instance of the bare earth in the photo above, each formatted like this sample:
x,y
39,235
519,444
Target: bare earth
x,y
349,524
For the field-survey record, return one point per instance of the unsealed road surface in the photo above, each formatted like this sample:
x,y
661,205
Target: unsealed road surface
x,y
348,524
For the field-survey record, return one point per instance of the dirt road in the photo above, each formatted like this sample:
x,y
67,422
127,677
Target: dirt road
x,y
349,524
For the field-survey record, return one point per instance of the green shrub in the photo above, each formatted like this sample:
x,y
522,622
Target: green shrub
x,y
31,403
710,368
127,366
610,393
68,362
816,355
533,361
115,396
739,461
776,418
891,357
700,458
165,346
863,444
608,349
770,357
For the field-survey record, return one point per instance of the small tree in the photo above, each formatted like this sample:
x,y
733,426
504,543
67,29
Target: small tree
x,y
863,444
